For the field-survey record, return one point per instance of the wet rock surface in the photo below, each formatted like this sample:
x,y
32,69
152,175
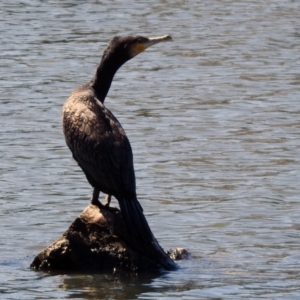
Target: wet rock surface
x,y
96,241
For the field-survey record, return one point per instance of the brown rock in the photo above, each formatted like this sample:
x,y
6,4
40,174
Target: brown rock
x,y
96,241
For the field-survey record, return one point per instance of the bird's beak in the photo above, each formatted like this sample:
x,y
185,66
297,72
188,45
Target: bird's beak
x,y
156,40
140,47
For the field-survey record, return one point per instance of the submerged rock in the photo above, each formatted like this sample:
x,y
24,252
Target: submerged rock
x,y
179,254
96,241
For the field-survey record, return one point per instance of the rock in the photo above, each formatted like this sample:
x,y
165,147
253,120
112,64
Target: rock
x,y
179,254
96,241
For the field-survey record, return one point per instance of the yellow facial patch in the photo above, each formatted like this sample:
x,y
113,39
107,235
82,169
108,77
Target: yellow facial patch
x,y
140,47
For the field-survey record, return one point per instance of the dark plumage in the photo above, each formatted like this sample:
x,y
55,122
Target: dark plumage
x,y
97,140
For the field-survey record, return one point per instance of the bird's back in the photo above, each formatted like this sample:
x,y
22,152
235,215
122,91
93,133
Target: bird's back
x,y
98,143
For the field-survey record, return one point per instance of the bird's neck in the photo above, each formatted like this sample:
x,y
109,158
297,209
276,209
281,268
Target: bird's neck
x,y
104,76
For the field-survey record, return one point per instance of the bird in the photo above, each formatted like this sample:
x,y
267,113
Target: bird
x,y
97,140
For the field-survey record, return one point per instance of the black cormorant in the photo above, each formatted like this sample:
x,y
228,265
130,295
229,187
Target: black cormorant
x,y
97,140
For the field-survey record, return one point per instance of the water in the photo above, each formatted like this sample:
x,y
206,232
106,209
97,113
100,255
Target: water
x,y
213,119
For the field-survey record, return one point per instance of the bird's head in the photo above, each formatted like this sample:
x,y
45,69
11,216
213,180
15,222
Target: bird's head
x,y
123,48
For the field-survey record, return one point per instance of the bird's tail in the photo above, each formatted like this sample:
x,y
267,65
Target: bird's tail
x,y
132,213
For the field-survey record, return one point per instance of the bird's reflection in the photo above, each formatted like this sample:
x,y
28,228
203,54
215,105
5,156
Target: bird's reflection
x,y
106,286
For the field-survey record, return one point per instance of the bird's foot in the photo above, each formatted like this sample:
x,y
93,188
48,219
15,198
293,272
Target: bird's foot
x,y
95,199
97,203
107,201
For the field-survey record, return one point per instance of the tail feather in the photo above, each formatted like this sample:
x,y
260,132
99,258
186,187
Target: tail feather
x,y
134,218
132,213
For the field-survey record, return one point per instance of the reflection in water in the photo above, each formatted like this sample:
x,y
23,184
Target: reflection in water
x,y
106,286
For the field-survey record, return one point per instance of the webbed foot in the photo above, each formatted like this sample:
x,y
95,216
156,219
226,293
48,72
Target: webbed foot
x,y
95,199
107,201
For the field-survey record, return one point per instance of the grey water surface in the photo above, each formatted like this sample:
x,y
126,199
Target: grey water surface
x,y
213,119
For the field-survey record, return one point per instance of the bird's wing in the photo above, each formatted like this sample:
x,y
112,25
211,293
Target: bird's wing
x,y
100,146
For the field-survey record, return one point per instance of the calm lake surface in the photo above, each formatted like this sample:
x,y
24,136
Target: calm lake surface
x,y
213,119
